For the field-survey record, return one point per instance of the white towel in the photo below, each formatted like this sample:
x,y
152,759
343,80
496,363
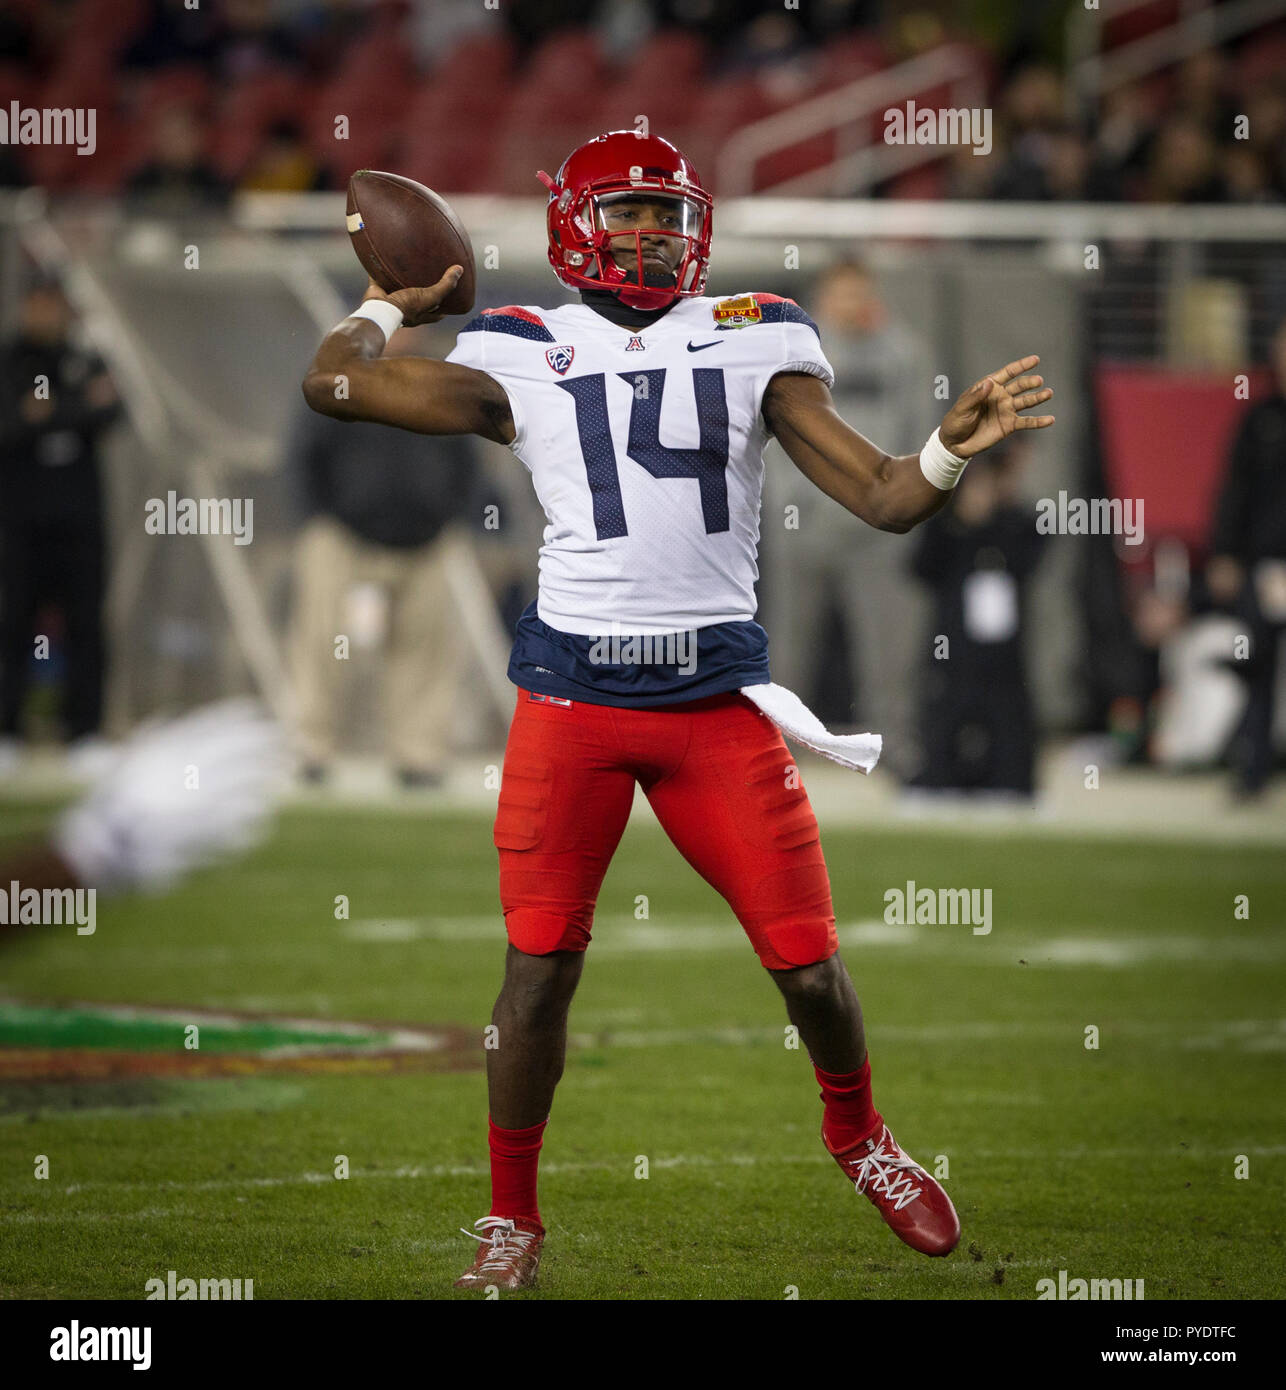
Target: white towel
x,y
793,717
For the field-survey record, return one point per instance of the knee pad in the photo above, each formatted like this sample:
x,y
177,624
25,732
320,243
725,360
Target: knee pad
x,y
794,922
538,931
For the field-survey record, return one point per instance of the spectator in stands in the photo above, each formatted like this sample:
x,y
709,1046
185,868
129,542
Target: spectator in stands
x,y
1202,93
56,400
1247,572
824,559
252,41
284,164
178,178
1266,132
977,557
1122,137
438,28
1049,164
377,504
16,39
1183,164
772,47
174,33
531,21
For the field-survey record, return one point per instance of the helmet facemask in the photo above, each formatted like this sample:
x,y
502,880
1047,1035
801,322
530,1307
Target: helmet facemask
x,y
659,234
628,214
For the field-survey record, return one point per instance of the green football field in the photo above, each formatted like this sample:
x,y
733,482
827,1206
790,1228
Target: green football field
x,y
1155,1155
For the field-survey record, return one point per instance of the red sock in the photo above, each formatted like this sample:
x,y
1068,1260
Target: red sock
x,y
849,1116
514,1156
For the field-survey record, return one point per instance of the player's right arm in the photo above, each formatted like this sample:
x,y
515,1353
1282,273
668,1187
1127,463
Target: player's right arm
x,y
350,379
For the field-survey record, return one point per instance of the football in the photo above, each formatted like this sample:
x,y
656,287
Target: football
x,y
406,236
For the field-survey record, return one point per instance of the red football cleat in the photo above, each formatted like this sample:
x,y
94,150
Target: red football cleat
x,y
508,1255
911,1202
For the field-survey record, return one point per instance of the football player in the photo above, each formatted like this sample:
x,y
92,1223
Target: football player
x,y
642,413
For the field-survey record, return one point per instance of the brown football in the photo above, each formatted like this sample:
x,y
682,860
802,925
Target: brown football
x,y
407,237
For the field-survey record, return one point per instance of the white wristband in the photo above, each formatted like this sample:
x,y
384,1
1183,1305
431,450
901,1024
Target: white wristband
x,y
939,465
380,311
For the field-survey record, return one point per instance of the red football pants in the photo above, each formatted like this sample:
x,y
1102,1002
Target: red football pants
x,y
724,787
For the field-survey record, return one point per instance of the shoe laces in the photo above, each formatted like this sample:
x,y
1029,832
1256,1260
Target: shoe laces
x,y
507,1241
888,1173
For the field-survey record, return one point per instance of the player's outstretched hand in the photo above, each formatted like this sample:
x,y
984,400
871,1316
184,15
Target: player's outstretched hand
x,y
989,409
419,305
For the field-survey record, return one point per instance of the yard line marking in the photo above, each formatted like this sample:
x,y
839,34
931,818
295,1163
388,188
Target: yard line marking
x,y
416,1172
620,934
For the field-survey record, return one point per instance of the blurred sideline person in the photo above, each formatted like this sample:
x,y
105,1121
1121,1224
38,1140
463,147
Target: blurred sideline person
x,y
377,504
976,718
56,400
144,826
1247,570
829,557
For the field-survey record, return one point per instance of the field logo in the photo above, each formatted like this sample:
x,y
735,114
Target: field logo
x,y
49,907
737,313
1091,516
951,125
77,1343
560,358
217,1290
929,907
1092,1289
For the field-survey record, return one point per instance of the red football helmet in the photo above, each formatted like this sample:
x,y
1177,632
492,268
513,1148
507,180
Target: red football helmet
x,y
614,168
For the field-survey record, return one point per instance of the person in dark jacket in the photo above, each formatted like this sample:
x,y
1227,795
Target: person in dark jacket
x,y
377,503
978,731
1247,571
56,400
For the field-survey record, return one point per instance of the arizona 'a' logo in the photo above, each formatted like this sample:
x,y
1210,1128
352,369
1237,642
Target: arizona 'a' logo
x,y
636,344
560,358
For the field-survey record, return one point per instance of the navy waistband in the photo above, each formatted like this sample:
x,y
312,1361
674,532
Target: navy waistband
x,y
632,672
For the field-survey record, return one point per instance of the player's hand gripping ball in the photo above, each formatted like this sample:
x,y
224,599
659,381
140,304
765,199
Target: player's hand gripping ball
x,y
408,239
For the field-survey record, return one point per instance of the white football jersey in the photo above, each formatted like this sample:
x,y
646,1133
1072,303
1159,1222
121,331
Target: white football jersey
x,y
646,451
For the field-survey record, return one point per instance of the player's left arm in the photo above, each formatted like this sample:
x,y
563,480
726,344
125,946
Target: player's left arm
x,y
892,493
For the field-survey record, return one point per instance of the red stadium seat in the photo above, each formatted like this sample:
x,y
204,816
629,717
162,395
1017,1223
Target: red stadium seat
x,y
462,165
849,58
724,106
247,111
180,85
18,84
1262,59
555,108
485,58
670,59
380,57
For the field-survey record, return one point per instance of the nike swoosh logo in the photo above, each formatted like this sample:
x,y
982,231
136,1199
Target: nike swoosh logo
x,y
701,347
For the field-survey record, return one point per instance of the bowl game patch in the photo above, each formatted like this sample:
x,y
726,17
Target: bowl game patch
x,y
737,313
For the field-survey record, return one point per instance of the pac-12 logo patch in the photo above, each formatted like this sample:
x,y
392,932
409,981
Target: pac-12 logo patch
x,y
737,313
560,358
